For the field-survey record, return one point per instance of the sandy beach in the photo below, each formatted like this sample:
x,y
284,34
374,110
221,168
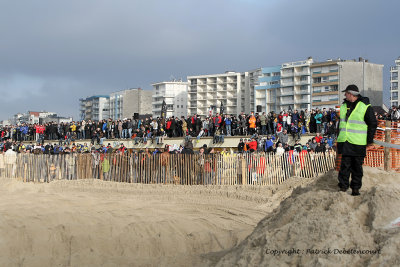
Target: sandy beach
x,y
97,223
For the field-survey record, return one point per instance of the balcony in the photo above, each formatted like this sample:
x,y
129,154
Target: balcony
x,y
302,82
287,74
303,73
159,102
302,101
231,104
303,92
284,93
287,102
394,68
294,64
283,84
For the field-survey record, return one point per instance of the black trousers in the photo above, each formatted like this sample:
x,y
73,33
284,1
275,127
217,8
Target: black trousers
x,y
351,165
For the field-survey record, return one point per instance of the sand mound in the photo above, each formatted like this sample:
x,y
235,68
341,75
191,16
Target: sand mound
x,y
319,226
96,223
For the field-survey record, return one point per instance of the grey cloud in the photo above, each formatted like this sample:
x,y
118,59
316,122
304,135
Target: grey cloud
x,y
78,48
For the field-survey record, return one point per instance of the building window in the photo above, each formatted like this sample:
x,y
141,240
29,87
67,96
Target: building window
x,y
395,85
317,80
317,70
395,95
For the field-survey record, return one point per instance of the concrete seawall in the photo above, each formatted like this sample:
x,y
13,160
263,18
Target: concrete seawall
x,y
230,142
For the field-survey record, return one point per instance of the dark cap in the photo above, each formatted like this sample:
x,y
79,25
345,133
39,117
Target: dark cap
x,y
352,89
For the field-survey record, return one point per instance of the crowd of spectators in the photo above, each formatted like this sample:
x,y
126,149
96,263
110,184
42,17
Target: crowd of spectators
x,y
294,122
262,133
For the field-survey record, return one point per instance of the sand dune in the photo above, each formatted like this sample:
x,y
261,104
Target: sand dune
x,y
96,223
326,227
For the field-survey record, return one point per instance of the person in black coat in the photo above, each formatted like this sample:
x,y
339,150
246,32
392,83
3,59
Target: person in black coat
x,y
353,154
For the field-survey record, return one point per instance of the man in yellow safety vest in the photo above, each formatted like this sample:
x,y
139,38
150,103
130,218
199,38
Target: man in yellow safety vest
x,y
357,128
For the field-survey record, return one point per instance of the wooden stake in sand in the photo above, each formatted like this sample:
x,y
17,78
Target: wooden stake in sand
x,y
387,156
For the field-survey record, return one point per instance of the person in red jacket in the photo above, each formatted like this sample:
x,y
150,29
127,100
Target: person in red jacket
x,y
217,121
253,145
318,138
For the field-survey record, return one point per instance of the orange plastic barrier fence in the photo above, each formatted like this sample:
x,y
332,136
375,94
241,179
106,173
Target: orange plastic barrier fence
x,y
375,157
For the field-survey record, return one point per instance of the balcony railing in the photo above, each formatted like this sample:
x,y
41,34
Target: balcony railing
x,y
287,102
287,83
302,82
304,92
283,93
294,64
304,72
287,74
302,101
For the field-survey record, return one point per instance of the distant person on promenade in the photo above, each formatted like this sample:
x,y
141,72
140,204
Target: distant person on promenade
x,y
356,132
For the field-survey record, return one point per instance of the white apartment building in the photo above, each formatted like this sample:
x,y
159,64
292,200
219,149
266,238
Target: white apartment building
x,y
267,89
284,87
95,108
394,83
125,103
175,95
206,93
295,86
32,117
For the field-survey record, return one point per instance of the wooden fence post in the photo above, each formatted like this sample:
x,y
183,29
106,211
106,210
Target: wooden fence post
x,y
387,157
243,170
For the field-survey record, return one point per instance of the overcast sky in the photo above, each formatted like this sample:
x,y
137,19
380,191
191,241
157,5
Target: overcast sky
x,y
54,52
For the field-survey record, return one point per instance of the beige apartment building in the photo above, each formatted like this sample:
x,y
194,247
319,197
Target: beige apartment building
x,y
329,78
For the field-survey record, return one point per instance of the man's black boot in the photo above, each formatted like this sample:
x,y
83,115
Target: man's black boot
x,y
355,192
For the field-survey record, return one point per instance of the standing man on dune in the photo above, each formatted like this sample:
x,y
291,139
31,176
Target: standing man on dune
x,y
356,132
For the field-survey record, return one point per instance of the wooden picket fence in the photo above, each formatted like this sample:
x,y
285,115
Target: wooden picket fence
x,y
215,169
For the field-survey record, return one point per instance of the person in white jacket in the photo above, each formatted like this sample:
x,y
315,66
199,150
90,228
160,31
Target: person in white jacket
x,y
280,150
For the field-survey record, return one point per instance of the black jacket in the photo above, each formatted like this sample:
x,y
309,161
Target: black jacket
x,y
348,149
